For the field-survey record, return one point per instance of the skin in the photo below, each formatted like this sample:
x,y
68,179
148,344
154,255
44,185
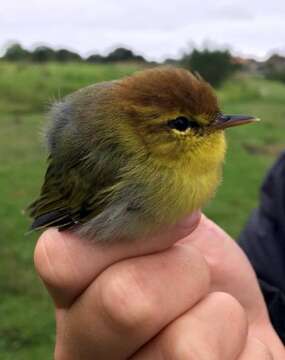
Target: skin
x,y
109,304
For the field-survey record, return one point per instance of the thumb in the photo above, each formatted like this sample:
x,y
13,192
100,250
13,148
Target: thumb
x,y
68,264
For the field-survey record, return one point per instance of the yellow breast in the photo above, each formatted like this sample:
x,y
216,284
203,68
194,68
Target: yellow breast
x,y
187,181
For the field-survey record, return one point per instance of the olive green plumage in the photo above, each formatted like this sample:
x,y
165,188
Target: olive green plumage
x,y
129,156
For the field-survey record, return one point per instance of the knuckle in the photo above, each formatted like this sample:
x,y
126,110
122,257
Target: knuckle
x,y
201,343
42,259
46,253
122,298
230,306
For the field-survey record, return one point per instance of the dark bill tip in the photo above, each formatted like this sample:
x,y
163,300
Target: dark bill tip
x,y
225,121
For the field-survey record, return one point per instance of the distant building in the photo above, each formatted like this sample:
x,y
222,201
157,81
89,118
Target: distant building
x,y
275,63
248,65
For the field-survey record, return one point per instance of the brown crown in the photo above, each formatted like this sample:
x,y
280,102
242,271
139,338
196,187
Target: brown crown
x,y
168,89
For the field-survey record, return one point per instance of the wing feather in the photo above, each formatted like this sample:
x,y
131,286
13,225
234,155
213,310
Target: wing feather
x,y
69,195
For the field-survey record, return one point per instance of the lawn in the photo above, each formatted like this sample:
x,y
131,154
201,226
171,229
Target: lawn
x,y
27,325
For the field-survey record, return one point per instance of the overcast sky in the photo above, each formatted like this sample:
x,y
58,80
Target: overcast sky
x,y
154,28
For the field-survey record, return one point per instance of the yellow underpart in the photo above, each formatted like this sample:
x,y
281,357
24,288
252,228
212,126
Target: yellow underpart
x,y
190,181
176,184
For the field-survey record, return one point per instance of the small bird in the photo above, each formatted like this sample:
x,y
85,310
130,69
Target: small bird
x,y
130,156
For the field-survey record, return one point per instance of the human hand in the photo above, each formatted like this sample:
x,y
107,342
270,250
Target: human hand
x,y
117,302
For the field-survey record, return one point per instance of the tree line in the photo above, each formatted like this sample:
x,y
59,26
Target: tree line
x,y
42,54
215,66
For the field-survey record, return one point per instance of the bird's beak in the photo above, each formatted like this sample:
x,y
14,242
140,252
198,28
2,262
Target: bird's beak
x,y
225,121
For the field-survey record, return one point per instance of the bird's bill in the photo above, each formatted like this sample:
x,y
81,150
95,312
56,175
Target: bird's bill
x,y
225,121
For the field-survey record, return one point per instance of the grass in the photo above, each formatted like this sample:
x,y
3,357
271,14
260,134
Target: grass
x,y
27,325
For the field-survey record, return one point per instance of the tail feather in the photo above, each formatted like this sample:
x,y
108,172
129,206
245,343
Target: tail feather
x,y
57,218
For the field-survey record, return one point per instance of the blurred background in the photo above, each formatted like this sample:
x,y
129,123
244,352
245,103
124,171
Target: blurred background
x,y
51,48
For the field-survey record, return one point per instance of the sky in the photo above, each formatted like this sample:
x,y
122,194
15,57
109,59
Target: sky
x,y
154,28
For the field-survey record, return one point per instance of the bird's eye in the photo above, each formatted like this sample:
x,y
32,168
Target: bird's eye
x,y
182,124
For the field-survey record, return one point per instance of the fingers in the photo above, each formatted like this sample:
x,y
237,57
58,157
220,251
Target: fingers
x,y
222,336
214,329
131,302
68,264
231,271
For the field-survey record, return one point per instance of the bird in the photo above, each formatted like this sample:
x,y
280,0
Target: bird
x,y
129,156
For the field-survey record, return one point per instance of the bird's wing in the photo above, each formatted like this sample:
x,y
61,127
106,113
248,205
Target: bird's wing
x,y
70,194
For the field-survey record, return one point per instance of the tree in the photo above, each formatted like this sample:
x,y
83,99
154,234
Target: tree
x,y
274,68
43,54
96,59
63,55
214,66
15,52
122,54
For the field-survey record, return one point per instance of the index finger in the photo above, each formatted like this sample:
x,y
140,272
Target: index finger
x,y
68,264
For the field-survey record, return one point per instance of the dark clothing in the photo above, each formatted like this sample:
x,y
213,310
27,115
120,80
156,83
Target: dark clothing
x,y
263,240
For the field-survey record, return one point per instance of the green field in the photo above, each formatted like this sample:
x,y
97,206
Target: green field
x,y
26,325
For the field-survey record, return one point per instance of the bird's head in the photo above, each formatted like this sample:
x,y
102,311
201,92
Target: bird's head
x,y
174,115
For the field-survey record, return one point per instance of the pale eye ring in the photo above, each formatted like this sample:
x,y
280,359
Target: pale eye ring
x,y
182,124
